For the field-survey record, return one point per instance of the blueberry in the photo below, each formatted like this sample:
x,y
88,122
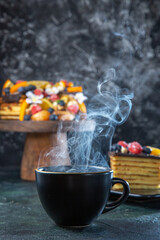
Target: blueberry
x,y
53,117
30,88
27,117
7,91
51,110
61,102
21,90
146,150
115,148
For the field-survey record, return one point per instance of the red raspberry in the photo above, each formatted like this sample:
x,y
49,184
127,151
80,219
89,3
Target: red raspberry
x,y
73,108
37,92
135,148
35,109
123,144
54,97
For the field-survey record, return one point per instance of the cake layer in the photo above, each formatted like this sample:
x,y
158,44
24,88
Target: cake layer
x,y
149,180
137,186
9,117
135,169
146,164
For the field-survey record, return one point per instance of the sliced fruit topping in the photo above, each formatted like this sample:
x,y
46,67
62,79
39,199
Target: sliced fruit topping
x,y
123,144
65,98
124,149
15,87
154,151
35,109
75,89
53,117
46,104
23,109
135,148
41,116
54,97
73,108
27,117
65,82
38,84
70,84
7,84
50,110
82,107
38,91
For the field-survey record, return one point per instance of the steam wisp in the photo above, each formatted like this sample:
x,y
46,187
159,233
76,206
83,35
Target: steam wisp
x,y
107,109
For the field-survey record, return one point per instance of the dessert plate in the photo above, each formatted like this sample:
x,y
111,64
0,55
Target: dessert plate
x,y
139,195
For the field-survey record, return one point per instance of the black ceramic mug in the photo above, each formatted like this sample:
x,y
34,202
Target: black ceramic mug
x,y
75,199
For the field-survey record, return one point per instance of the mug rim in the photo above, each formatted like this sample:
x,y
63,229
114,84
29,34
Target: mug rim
x,y
108,170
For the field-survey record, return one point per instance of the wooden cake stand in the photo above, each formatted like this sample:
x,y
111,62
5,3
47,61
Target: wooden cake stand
x,y
42,135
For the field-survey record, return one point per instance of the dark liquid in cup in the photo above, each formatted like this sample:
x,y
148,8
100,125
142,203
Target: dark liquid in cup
x,y
73,169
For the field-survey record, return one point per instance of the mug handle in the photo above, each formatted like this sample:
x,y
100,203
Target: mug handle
x,y
122,198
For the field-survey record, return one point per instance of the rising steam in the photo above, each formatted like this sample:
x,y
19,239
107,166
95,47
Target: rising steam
x,y
88,139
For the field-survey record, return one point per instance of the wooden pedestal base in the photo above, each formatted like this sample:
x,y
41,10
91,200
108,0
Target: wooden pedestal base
x,y
42,135
35,143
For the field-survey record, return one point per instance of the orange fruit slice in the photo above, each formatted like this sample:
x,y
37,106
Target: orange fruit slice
x,y
82,107
7,84
18,85
154,151
45,104
23,109
75,89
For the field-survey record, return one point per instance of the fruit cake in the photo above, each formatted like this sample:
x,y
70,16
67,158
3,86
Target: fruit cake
x,y
42,101
139,165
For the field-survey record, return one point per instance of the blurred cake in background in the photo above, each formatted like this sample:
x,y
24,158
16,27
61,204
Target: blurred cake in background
x,y
139,165
42,101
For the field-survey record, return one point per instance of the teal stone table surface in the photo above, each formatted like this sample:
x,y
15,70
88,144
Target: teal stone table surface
x,y
22,217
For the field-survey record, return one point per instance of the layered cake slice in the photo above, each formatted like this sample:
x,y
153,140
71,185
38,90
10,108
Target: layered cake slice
x,y
138,165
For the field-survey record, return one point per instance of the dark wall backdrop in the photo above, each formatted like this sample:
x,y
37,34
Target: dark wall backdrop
x,y
80,41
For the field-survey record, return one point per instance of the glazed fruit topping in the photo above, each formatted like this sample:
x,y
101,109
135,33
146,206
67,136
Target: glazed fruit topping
x,y
38,92
35,109
123,144
74,108
135,148
54,97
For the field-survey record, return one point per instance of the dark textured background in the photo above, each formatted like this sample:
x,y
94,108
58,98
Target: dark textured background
x,y
80,41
